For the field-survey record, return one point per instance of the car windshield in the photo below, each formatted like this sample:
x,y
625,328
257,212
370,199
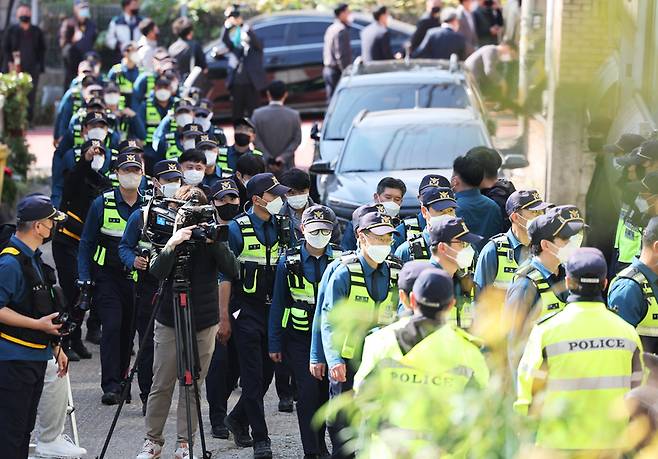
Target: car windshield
x,y
350,101
425,146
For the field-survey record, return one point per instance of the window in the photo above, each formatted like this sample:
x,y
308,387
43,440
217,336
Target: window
x,y
307,33
272,35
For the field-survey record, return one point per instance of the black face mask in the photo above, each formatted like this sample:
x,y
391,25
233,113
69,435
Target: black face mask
x,y
135,11
242,140
228,211
435,10
25,19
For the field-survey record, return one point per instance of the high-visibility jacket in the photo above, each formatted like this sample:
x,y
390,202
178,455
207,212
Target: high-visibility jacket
x,y
649,324
550,302
588,357
628,237
152,120
507,265
111,231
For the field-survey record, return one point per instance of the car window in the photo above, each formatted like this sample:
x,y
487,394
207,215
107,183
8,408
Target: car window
x,y
305,33
350,101
424,146
272,35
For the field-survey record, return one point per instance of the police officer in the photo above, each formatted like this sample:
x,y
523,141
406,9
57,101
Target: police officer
x,y
145,83
244,133
113,285
436,203
208,145
184,139
248,166
151,112
123,119
632,293
367,279
298,276
134,251
351,233
502,255
72,100
538,288
255,239
174,122
27,311
125,73
587,359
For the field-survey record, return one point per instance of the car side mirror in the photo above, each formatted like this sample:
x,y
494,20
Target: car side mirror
x,y
315,132
321,168
514,161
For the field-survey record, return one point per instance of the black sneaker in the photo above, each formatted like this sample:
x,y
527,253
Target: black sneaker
x,y
111,398
263,449
286,405
94,336
220,432
240,433
80,349
72,355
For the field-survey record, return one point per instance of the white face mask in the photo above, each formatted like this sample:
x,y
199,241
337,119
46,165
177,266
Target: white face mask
x,y
130,181
299,201
134,57
392,209
437,219
97,134
564,253
97,162
188,144
318,241
203,122
169,189
162,95
193,177
274,207
211,157
112,98
184,119
378,253
465,257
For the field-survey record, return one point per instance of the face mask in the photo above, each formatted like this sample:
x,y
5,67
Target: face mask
x,y
188,144
184,119
112,98
50,234
318,241
162,95
641,204
135,11
564,253
97,162
25,19
84,13
392,209
437,219
241,139
169,189
435,10
465,257
130,181
228,211
134,58
211,156
203,122
193,177
298,202
274,207
378,253
97,134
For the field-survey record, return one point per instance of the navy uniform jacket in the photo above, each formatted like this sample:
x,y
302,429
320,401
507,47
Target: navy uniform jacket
x,y
441,43
375,43
487,265
625,296
481,214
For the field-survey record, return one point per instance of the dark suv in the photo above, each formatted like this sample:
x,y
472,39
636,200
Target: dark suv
x,y
293,42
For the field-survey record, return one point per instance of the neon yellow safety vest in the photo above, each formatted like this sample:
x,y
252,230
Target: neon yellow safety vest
x,y
628,238
299,315
111,230
649,325
507,265
77,99
153,119
412,227
382,313
588,357
124,84
255,256
550,302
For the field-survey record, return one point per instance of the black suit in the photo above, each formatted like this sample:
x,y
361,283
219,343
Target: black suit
x,y
426,22
485,19
376,43
441,43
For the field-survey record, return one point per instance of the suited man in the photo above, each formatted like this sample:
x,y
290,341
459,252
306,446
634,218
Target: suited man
x,y
429,20
376,39
467,23
488,22
278,130
337,51
246,72
442,42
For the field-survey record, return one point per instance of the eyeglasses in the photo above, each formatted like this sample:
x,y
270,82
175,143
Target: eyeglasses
x,y
324,232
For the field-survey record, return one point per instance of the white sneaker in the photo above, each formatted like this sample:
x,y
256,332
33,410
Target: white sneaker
x,y
150,450
182,452
62,446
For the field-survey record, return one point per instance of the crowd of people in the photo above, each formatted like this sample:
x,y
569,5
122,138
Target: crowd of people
x,y
269,289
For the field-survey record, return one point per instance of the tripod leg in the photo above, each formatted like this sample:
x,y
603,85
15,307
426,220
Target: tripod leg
x,y
205,453
188,412
74,423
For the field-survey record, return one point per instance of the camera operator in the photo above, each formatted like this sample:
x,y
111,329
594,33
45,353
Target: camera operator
x,y
27,328
98,260
167,177
207,260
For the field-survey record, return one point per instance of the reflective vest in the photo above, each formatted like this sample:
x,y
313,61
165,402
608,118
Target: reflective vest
x,y
649,325
257,261
585,354
507,265
628,238
78,140
550,302
111,231
383,313
412,227
153,119
299,315
77,100
173,152
124,84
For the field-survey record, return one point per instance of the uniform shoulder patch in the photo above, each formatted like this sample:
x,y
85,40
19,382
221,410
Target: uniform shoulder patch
x,y
10,251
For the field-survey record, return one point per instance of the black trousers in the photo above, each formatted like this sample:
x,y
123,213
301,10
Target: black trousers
x,y
312,394
66,262
256,369
31,96
246,99
331,76
145,291
21,383
113,297
284,381
222,377
340,422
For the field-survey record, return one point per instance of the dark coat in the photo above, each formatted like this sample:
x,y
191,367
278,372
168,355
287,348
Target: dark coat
x,y
376,43
34,50
425,23
250,62
441,43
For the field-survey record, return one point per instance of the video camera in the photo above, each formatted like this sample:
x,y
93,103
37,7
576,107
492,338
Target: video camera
x,y
205,220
